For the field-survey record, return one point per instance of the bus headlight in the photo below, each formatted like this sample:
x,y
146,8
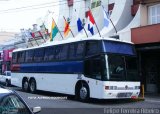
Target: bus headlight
x,y
114,87
110,87
137,87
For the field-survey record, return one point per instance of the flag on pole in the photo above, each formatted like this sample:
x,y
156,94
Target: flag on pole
x,y
79,25
66,29
54,30
91,22
106,17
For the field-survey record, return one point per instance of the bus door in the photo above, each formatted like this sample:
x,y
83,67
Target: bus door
x,y
94,70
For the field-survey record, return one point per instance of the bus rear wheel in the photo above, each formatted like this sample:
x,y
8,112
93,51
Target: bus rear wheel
x,y
25,85
7,83
32,86
83,92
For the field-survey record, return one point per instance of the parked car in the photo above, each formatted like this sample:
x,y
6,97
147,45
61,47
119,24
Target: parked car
x,y
12,103
5,78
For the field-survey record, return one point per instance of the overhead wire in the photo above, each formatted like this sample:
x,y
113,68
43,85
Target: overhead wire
x,y
34,7
30,6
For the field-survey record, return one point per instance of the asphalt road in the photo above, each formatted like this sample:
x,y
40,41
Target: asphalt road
x,y
52,103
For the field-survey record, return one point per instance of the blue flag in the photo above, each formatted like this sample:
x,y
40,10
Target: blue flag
x,y
90,29
106,17
79,25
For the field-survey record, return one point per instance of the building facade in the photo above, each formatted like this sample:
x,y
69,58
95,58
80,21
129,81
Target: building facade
x,y
146,38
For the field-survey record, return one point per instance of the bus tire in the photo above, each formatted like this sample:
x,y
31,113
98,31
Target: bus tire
x,y
32,86
25,85
83,92
7,83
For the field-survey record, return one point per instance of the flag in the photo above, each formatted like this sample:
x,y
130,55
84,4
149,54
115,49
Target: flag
x,y
66,29
91,22
54,30
106,17
79,25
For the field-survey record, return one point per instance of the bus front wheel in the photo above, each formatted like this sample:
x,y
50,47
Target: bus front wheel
x,y
7,83
83,92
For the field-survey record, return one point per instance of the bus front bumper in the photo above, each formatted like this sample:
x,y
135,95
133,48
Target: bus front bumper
x,y
121,94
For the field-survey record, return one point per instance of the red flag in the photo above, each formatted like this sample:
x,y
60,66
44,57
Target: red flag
x,y
91,22
66,29
90,17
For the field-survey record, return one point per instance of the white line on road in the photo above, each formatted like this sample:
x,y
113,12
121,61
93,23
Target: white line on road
x,y
152,101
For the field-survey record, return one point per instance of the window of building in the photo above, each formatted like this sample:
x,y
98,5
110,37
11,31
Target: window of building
x,y
70,2
154,14
95,3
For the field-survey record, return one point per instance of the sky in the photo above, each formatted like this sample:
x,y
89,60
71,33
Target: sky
x,y
18,14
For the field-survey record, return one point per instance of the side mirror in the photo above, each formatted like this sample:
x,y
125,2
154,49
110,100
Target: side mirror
x,y
36,110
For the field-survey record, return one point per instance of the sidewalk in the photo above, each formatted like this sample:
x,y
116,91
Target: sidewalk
x,y
154,96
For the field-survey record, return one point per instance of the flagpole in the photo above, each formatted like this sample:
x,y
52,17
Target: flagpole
x,y
36,40
85,32
70,29
30,42
113,25
58,29
95,23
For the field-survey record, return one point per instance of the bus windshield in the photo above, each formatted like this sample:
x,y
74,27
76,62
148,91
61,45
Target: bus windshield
x,y
122,68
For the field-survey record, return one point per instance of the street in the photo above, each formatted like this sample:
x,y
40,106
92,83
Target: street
x,y
53,103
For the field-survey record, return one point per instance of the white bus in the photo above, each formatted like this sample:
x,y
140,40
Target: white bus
x,y
87,68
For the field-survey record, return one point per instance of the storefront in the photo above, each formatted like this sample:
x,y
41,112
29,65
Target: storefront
x,y
149,66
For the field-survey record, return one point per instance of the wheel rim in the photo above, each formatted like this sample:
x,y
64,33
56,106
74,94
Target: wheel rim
x,y
32,86
83,93
25,85
6,83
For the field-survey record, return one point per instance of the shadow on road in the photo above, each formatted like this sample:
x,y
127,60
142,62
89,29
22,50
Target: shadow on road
x,y
72,98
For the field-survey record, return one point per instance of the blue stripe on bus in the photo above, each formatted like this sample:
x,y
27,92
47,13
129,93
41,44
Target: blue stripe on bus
x,y
119,48
53,67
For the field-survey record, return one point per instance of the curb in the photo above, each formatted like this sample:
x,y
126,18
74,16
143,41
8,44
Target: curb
x,y
138,99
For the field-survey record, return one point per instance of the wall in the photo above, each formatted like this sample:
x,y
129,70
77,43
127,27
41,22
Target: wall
x,y
146,34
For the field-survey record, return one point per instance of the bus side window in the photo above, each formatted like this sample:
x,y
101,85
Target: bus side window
x,y
39,55
64,52
91,48
49,53
76,50
58,52
29,56
14,57
20,57
93,68
72,51
80,50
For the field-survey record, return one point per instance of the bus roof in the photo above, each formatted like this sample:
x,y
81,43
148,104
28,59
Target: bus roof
x,y
70,40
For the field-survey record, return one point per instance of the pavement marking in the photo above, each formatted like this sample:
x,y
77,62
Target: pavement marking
x,y
152,101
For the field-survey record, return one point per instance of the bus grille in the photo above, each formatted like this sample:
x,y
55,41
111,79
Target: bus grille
x,y
124,95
